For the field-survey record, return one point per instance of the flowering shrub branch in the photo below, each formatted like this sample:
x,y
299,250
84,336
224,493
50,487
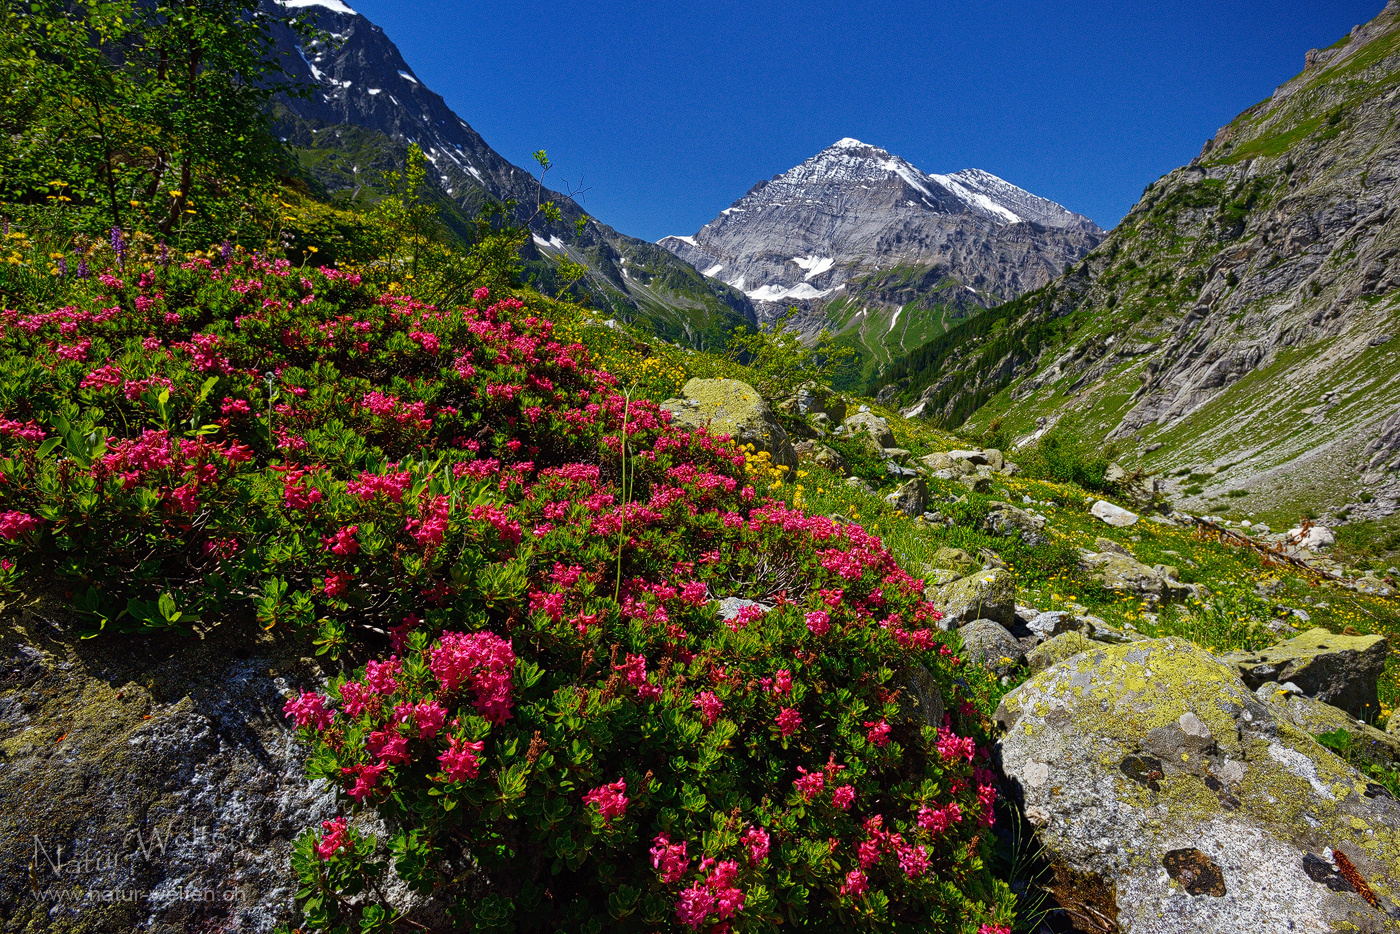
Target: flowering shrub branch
x,y
453,490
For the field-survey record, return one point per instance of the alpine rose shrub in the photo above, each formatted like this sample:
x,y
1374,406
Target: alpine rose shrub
x,y
555,722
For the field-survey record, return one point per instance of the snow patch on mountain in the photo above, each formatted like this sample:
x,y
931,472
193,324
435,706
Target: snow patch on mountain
x,y
815,265
335,6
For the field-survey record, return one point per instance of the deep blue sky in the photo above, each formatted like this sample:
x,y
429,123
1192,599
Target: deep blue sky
x,y
669,110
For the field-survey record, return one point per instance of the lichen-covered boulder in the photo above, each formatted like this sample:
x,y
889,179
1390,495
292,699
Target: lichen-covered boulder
x,y
828,458
955,558
1317,718
152,784
1007,521
992,644
1124,573
1175,800
873,426
1337,670
732,407
1066,645
989,594
911,497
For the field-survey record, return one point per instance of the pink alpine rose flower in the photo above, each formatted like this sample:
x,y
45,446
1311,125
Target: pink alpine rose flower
x,y
610,799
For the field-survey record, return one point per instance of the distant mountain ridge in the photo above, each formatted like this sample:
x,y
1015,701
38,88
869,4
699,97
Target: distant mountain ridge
x,y
827,234
367,106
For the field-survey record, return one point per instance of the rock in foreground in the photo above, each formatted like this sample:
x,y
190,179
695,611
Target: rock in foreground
x,y
1171,799
149,784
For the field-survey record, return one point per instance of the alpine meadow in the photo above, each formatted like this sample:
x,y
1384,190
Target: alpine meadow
x,y
389,545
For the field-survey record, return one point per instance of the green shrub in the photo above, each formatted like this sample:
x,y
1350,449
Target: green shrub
x,y
1065,459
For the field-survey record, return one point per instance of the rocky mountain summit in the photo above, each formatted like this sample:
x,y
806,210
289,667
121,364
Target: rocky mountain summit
x,y
868,244
367,105
1236,329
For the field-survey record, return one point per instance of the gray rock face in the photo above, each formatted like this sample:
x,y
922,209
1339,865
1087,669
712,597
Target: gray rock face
x,y
1339,670
154,785
910,498
822,230
1153,773
873,426
728,406
1317,718
1007,520
1116,516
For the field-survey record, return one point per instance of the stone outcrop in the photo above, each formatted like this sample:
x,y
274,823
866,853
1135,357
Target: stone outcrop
x,y
1116,516
151,784
910,498
1154,773
988,594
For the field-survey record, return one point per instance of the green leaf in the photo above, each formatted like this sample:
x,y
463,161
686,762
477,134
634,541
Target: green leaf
x,y
1338,741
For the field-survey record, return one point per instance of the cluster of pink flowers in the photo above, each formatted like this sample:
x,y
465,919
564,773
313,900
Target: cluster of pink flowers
x,y
937,820
809,784
25,431
309,709
878,733
391,485
460,761
716,895
788,721
343,542
669,859
392,408
430,529
482,661
334,837
912,858
756,840
952,747
710,705
13,524
609,799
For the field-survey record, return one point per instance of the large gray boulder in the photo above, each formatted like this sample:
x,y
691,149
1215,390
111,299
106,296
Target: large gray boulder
x,y
988,594
1065,645
1339,670
1170,799
992,644
734,408
1317,718
1116,516
1007,521
1122,572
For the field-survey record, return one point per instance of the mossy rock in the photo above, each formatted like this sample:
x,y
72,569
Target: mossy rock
x,y
1152,767
153,784
1317,718
988,594
1339,670
734,408
1066,645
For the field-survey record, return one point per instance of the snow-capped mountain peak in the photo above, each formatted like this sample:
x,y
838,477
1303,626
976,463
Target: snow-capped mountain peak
x,y
853,208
